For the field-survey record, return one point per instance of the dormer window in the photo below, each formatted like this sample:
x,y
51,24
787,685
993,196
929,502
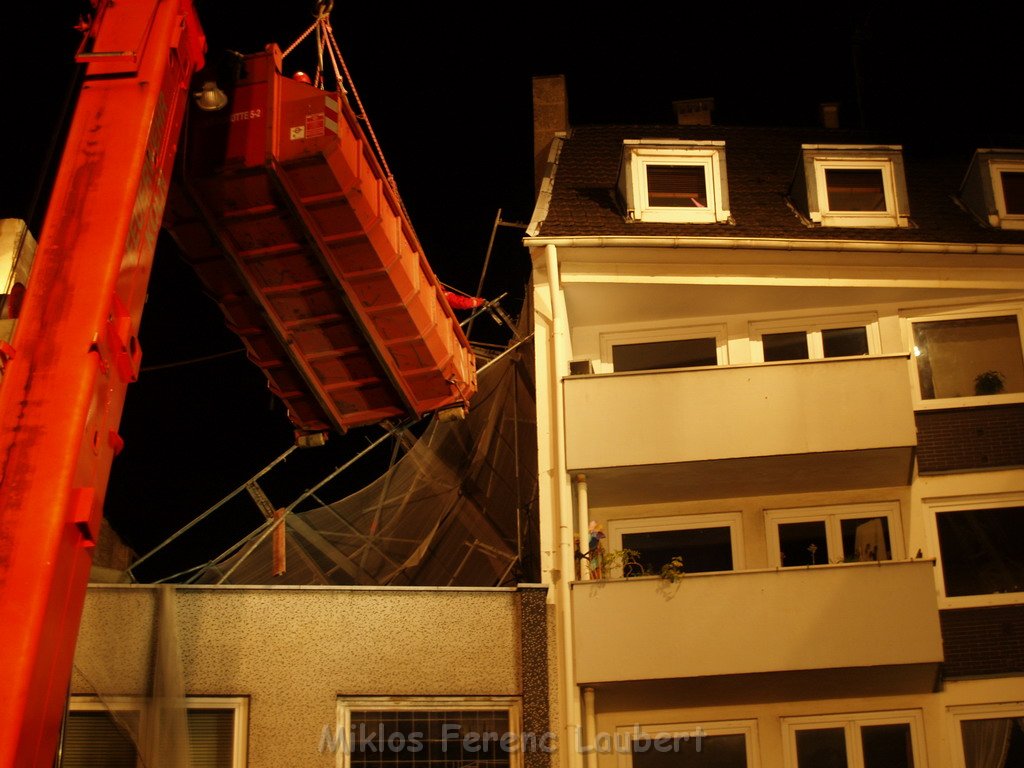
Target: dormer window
x,y
852,186
993,189
674,181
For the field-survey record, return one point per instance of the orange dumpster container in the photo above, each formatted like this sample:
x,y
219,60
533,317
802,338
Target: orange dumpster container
x,y
292,225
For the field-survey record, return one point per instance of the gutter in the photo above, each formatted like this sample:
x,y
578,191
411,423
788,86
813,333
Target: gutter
x,y
748,243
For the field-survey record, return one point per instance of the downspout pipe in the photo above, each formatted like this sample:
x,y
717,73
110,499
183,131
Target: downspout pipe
x,y
558,363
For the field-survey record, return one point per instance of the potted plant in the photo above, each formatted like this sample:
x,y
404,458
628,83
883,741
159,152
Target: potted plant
x,y
989,383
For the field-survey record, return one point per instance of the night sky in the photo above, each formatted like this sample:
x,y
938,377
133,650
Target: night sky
x,y
449,95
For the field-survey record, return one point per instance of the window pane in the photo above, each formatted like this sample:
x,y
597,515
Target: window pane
x,y
855,189
1013,191
982,550
973,356
655,355
702,549
211,737
865,539
718,751
784,346
845,342
429,738
821,748
887,746
93,739
803,543
677,185
993,742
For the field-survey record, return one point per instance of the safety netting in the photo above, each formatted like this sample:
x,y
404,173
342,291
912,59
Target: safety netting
x,y
458,509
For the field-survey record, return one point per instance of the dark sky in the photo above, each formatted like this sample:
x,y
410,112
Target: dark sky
x,y
449,94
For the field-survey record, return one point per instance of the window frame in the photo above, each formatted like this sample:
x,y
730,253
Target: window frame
x,y
638,154
996,168
888,159
610,339
733,520
958,714
625,734
960,313
813,326
833,515
346,705
851,724
932,508
239,705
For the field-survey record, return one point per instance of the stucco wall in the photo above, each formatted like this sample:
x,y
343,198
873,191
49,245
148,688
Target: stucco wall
x,y
294,651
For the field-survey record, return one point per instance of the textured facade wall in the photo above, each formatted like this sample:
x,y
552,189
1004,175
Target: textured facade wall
x,y
970,438
294,651
983,641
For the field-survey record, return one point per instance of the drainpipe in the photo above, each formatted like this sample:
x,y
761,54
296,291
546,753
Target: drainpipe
x,y
590,715
583,519
562,496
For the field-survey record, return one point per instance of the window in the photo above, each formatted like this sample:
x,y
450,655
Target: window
x,y
654,355
982,550
430,732
993,189
674,181
989,735
852,186
870,740
706,543
1010,190
977,355
664,349
809,339
104,733
835,534
694,745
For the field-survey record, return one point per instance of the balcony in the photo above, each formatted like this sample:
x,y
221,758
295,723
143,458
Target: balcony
x,y
719,432
826,617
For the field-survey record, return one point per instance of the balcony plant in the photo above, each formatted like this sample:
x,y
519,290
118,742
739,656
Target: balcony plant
x,y
989,383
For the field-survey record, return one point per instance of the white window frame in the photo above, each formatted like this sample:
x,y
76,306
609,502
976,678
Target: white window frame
x,y
731,520
996,168
957,715
348,704
239,705
612,339
969,401
709,155
851,724
813,326
625,735
832,515
819,158
932,507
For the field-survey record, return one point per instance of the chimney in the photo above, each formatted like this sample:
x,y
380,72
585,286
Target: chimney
x,y
694,111
828,112
550,116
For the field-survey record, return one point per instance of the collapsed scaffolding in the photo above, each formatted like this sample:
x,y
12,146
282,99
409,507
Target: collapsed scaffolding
x,y
456,510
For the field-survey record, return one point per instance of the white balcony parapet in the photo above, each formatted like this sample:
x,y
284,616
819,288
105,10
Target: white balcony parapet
x,y
821,617
760,422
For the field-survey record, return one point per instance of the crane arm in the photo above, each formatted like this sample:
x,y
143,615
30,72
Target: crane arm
x,y
75,348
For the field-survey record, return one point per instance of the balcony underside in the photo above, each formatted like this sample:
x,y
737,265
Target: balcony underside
x,y
751,476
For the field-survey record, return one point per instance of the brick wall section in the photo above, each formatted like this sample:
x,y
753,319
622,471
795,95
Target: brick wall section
x,y
983,641
970,438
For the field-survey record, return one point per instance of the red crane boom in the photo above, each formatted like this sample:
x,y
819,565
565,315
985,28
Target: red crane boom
x,y
75,349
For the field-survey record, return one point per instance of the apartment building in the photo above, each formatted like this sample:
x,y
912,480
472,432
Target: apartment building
x,y
780,400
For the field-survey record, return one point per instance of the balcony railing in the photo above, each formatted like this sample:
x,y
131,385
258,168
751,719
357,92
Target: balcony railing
x,y
824,617
728,430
